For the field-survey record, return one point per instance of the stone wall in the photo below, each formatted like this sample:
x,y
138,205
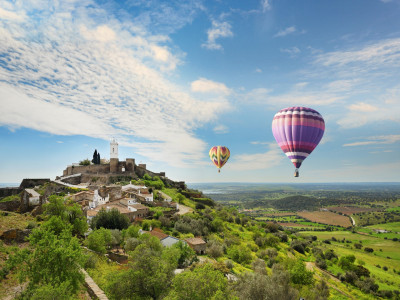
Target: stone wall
x,y
32,182
92,169
75,180
114,165
9,191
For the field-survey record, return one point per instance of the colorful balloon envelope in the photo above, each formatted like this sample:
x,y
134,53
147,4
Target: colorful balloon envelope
x,y
219,155
298,130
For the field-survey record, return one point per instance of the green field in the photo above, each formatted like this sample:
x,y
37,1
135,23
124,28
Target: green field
x,y
394,227
387,280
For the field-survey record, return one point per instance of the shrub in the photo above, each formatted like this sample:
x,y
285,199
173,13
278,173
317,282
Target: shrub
x,y
85,162
367,249
299,274
131,244
112,219
98,240
321,263
214,249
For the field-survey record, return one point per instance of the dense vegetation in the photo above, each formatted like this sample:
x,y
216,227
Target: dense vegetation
x,y
244,259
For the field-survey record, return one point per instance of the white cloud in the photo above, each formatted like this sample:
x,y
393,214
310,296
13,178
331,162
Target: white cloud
x,y
260,143
293,51
266,5
258,70
102,33
297,98
218,30
60,142
75,75
386,108
376,140
259,96
257,161
363,107
286,31
204,85
221,129
10,15
377,55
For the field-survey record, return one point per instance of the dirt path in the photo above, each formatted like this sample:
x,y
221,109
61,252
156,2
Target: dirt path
x,y
184,209
311,267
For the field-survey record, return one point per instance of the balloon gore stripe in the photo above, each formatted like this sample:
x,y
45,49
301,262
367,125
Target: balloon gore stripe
x,y
298,130
219,155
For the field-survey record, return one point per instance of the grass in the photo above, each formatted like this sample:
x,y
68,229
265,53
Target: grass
x,y
10,198
387,280
394,226
9,220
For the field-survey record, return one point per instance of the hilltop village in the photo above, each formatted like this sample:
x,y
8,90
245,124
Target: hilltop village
x,y
111,229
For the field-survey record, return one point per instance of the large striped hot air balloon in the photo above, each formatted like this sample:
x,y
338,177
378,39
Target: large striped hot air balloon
x,y
219,155
298,130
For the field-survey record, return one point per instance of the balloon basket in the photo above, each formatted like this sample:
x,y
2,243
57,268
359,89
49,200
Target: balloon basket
x,y
296,173
219,171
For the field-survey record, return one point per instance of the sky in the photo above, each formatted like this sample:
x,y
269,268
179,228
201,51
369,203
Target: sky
x,y
171,79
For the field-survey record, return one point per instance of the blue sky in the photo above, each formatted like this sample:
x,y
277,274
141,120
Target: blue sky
x,y
171,79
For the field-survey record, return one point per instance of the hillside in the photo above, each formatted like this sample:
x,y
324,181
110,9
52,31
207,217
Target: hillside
x,y
171,251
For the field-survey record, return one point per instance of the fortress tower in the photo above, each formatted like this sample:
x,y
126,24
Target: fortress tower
x,y
114,156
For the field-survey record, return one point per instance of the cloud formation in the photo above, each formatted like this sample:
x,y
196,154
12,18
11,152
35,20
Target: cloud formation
x,y
286,31
72,73
376,140
257,161
218,30
204,85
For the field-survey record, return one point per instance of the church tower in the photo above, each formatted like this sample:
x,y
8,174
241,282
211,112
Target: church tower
x,y
113,149
114,156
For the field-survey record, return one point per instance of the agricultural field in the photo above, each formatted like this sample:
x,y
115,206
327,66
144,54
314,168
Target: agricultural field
x,y
372,218
385,231
383,262
326,217
349,210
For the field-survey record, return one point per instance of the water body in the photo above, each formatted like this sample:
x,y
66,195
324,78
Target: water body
x,y
9,184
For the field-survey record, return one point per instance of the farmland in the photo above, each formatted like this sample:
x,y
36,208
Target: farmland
x,y
349,210
326,217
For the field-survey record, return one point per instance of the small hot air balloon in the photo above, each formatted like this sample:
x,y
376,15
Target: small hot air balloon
x,y
298,130
219,155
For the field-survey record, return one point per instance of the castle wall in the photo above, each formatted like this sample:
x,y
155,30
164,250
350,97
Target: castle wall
x,y
32,182
114,165
130,165
9,191
92,169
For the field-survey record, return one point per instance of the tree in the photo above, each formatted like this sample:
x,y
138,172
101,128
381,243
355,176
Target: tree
x,y
112,219
85,162
190,285
67,212
98,240
299,274
257,286
51,263
94,160
98,158
186,254
150,273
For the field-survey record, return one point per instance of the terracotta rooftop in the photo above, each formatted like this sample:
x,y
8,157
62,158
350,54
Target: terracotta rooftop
x,y
195,241
139,206
158,234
